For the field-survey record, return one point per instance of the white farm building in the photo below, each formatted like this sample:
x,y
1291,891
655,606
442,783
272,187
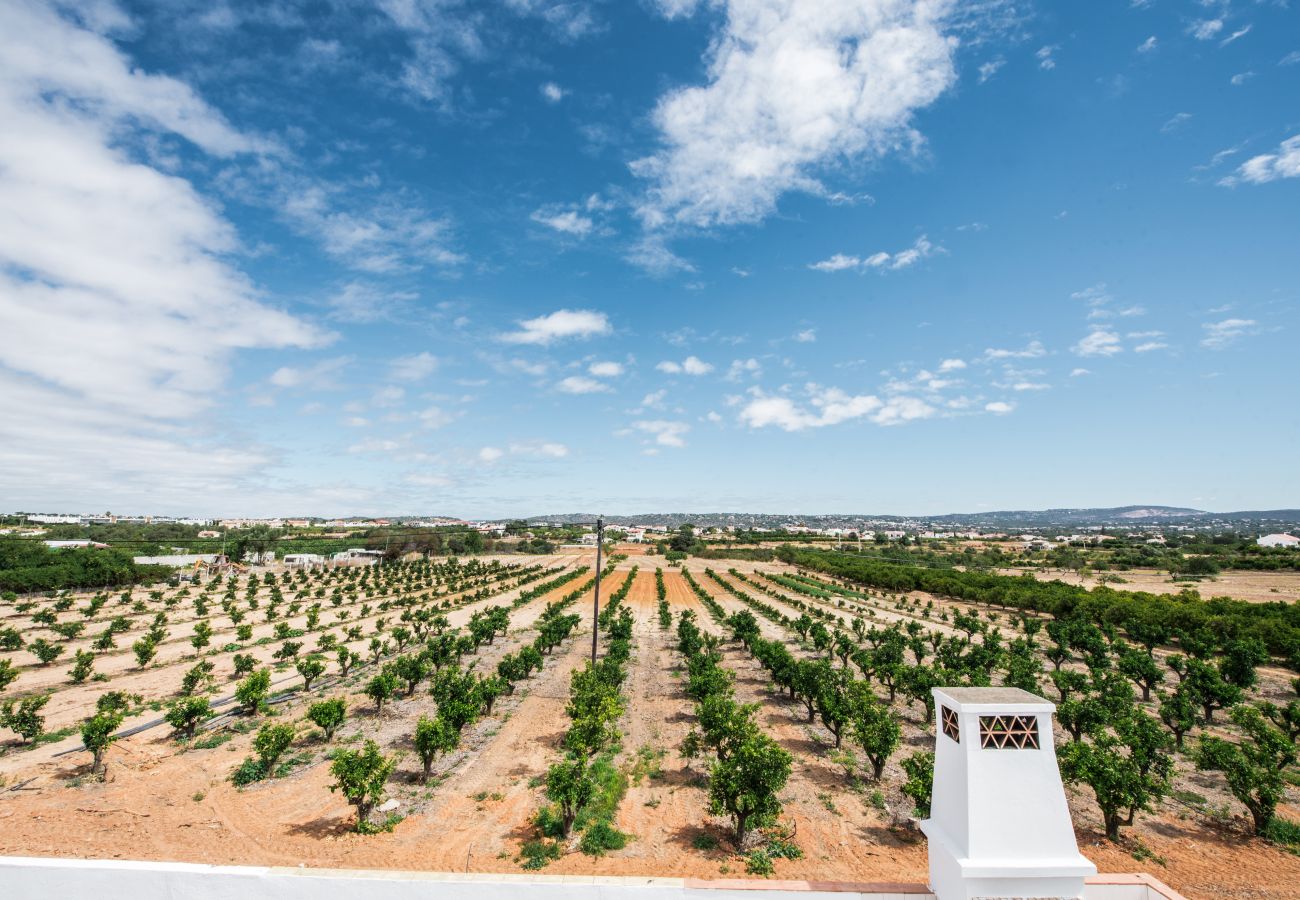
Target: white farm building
x,y
1289,541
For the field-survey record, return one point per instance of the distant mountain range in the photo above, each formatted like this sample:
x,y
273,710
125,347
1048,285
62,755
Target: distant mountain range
x,y
1119,516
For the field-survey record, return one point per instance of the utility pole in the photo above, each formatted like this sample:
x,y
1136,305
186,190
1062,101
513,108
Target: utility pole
x,y
595,609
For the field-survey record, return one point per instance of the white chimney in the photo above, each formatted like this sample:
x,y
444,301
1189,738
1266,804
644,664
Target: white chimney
x,y
999,825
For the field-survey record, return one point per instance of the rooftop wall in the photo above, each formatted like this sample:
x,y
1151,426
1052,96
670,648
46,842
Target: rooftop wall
x,y
27,878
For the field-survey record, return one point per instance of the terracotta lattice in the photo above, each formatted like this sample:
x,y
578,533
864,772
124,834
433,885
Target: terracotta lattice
x,y
1009,732
948,719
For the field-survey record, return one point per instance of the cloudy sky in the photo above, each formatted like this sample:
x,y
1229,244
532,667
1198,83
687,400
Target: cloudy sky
x,y
521,256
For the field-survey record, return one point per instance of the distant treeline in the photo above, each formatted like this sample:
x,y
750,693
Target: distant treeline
x,y
28,566
1217,620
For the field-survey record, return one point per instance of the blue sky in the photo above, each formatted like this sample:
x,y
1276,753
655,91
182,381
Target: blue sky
x,y
517,256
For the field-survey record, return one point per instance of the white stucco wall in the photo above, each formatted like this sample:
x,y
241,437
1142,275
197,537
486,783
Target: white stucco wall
x,y
27,878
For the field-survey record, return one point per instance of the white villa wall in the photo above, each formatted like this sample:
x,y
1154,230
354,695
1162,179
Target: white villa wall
x,y
29,878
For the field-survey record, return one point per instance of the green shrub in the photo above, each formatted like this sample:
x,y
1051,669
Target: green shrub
x,y
600,837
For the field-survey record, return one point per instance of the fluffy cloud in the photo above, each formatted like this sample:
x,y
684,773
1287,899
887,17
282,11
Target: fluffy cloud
x,y
828,406
807,336
793,86
999,407
552,92
568,221
1098,342
415,367
952,365
1032,350
1205,29
881,260
581,384
1281,163
740,368
559,325
1220,334
606,369
691,365
122,307
664,433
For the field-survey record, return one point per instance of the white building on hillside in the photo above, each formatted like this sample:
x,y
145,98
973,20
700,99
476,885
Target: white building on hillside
x,y
1289,541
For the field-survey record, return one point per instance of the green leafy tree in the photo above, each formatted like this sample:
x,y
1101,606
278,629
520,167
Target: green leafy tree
x,y
360,775
381,688
251,693
8,674
746,785
202,636
919,768
1178,711
569,785
1254,767
310,667
1127,766
244,663
269,744
97,735
1141,669
328,715
873,726
434,736
23,717
1211,689
44,651
83,663
145,649
186,714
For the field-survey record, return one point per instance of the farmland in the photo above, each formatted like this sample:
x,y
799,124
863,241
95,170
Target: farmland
x,y
470,705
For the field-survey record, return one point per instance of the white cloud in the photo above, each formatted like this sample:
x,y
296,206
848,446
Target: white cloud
x,y
1282,163
1239,33
1220,334
1076,373
1148,45
665,433
790,91
1032,350
606,369
952,365
740,368
999,407
1205,29
653,255
1098,342
989,69
581,384
807,336
435,417
388,395
1240,78
415,367
317,376
1148,346
1046,56
828,406
692,365
361,303
881,260
567,221
536,449
552,92
654,400
559,325
542,449
1175,121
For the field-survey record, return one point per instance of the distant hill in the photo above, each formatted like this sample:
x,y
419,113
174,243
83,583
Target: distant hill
x,y
1018,519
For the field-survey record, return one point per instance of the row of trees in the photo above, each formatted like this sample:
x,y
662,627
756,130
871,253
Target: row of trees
x,y
1117,748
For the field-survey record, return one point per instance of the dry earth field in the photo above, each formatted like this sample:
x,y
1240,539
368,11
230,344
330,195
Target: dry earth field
x,y
166,800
